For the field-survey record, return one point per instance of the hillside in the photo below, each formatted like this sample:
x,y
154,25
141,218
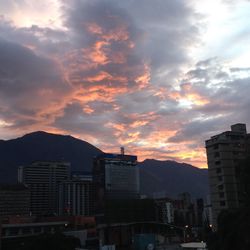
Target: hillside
x,y
155,176
46,147
173,178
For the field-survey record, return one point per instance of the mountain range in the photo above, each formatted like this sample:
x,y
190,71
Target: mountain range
x,y
170,178
161,177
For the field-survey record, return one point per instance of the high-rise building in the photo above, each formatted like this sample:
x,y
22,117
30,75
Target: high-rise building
x,y
207,213
164,210
115,176
43,180
199,212
76,195
185,212
14,200
224,153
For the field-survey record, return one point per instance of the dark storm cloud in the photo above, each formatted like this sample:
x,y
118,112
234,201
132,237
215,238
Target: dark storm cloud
x,y
228,96
150,33
162,46
29,84
196,130
92,126
170,29
156,30
18,61
44,40
114,74
104,38
207,70
107,15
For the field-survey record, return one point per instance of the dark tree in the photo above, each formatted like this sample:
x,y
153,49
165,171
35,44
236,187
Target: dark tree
x,y
56,241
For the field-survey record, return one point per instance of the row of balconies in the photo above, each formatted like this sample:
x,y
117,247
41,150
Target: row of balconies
x,y
19,230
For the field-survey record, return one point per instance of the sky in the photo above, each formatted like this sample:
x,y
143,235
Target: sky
x,y
156,77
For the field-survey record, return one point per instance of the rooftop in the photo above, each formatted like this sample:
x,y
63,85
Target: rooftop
x,y
12,187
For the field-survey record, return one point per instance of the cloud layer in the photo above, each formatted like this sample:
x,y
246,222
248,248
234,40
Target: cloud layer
x,y
119,73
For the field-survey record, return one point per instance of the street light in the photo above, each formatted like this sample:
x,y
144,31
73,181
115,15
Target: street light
x,y
185,233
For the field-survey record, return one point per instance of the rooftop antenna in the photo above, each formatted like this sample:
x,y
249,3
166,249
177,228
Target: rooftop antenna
x,y
122,151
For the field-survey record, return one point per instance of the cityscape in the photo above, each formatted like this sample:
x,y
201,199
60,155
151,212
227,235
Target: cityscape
x,y
124,124
105,208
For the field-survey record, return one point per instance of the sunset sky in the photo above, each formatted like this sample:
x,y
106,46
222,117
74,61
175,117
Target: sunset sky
x,y
155,76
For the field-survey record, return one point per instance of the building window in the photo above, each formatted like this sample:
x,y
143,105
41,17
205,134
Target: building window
x,y
222,203
235,137
217,154
220,187
217,163
26,230
37,230
216,146
221,195
237,171
218,170
220,178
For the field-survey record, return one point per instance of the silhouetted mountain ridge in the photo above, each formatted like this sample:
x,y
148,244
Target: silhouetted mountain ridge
x,y
155,176
172,178
44,146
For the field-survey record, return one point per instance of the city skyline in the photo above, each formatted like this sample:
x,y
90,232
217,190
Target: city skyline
x,y
157,77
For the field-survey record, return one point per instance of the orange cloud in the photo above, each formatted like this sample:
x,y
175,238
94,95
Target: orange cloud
x,y
117,126
119,33
197,99
175,95
118,57
190,96
97,54
106,76
158,138
99,72
178,153
99,77
100,93
94,28
128,138
186,86
196,156
138,124
87,109
144,79
155,145
30,46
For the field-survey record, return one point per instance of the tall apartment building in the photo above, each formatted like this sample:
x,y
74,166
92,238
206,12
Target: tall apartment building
x,y
76,195
224,153
115,176
14,200
164,210
43,180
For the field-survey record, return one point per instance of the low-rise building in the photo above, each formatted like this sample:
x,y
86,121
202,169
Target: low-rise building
x,y
76,196
14,200
43,180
